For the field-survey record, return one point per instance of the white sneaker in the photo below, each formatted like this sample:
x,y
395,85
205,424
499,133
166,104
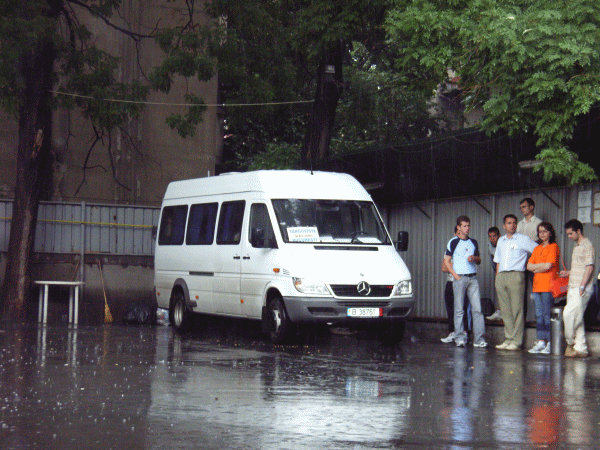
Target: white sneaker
x,y
448,338
503,345
546,350
538,347
496,316
481,344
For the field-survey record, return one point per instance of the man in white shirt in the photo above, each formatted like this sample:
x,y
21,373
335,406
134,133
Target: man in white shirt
x,y
528,226
512,252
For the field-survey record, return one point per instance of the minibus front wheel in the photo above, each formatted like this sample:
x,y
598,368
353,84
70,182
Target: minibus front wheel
x,y
279,325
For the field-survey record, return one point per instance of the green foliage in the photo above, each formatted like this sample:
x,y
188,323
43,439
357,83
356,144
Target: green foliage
x,y
269,51
252,133
80,68
531,65
90,73
378,106
276,156
185,124
560,162
104,8
185,49
22,26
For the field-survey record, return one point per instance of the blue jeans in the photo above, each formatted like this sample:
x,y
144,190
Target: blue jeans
x,y
470,286
543,305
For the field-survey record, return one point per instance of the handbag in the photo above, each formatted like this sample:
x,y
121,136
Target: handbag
x,y
559,285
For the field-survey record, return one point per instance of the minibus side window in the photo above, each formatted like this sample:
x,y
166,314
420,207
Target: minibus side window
x,y
201,226
261,222
231,217
172,225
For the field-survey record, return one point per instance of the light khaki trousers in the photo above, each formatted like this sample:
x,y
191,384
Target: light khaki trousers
x,y
510,288
573,318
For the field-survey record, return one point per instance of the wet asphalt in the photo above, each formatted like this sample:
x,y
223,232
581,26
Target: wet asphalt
x,y
226,387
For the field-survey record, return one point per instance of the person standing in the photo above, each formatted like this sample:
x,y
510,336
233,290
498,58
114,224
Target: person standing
x,y
543,263
579,290
528,226
493,236
461,259
449,301
511,256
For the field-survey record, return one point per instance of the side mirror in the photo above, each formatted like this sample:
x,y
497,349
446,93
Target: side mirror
x,y
402,242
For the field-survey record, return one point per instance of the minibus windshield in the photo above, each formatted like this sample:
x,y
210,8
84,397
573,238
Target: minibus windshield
x,y
329,221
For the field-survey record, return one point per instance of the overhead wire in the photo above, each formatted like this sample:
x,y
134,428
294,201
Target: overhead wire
x,y
139,102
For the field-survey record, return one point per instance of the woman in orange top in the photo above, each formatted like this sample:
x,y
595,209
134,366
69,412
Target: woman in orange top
x,y
544,265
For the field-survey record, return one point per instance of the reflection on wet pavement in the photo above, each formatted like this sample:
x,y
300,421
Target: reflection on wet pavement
x,y
149,388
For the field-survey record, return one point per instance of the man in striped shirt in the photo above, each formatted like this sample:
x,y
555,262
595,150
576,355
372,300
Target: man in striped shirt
x,y
461,260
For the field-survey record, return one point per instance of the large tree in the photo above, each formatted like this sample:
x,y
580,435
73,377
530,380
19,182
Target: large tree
x,y
379,107
532,65
45,46
290,51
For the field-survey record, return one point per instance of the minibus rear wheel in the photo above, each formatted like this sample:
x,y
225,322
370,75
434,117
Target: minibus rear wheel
x,y
179,314
281,327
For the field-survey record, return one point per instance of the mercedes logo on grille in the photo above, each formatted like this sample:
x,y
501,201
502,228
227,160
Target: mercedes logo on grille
x,y
363,288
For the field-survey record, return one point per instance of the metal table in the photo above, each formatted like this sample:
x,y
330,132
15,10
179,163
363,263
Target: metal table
x,y
74,287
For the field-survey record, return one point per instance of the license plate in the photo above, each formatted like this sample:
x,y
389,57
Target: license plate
x,y
364,312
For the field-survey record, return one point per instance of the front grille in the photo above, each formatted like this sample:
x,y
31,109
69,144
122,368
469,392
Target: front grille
x,y
363,304
350,290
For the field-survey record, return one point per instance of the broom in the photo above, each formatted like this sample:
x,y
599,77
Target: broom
x,y
107,315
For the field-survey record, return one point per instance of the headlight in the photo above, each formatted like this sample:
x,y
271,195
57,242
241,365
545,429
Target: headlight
x,y
404,288
308,286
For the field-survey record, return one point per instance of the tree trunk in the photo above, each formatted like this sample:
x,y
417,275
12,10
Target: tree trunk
x,y
34,171
320,125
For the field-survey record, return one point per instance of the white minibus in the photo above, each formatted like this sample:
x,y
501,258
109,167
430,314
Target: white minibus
x,y
286,247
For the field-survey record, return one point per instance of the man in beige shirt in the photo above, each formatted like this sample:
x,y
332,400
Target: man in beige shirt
x,y
579,290
528,226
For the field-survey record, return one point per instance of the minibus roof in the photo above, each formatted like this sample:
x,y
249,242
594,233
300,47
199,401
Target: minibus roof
x,y
275,184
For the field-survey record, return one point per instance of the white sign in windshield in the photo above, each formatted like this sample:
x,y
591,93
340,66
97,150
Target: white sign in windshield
x,y
303,234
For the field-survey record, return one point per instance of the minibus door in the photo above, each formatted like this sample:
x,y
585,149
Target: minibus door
x,y
258,256
228,258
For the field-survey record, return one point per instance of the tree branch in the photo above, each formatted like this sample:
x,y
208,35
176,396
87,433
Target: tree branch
x,y
87,157
106,20
112,164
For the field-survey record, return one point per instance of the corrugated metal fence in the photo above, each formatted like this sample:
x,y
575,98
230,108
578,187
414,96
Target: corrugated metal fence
x,y
127,230
431,224
97,228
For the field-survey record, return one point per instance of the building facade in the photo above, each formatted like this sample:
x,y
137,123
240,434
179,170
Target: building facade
x,y
136,162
